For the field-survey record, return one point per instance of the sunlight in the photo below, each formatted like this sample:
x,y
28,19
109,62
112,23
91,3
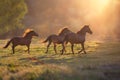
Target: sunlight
x,y
92,8
96,13
100,5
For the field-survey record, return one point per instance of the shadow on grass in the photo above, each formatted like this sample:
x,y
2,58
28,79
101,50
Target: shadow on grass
x,y
52,59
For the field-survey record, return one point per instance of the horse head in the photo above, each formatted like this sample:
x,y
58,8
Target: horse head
x,y
33,33
30,33
85,29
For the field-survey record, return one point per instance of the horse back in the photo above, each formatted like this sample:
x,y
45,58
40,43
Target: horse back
x,y
74,38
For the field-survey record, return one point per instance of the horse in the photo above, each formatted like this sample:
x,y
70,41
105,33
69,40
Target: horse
x,y
56,39
77,38
23,40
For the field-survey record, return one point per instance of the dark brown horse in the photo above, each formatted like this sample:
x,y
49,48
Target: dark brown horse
x,y
77,38
57,39
25,40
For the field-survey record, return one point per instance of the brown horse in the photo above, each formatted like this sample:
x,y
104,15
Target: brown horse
x,y
77,38
57,39
24,40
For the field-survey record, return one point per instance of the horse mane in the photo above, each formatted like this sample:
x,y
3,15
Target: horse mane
x,y
61,31
26,32
82,30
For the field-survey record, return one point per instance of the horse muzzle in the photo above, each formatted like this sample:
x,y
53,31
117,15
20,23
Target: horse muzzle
x,y
91,32
36,35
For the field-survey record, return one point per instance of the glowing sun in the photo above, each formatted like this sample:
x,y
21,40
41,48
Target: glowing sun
x,y
100,4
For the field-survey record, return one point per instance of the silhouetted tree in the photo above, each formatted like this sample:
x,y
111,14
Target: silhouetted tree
x,y
12,13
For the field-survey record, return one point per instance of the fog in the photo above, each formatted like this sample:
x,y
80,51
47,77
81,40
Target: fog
x,y
48,16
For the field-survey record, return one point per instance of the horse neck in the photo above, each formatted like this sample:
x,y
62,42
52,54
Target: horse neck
x,y
61,34
28,37
64,33
82,32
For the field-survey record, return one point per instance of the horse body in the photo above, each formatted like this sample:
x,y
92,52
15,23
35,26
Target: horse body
x,y
20,41
25,40
57,39
77,38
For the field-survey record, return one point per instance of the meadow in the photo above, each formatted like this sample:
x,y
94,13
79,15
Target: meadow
x,y
102,62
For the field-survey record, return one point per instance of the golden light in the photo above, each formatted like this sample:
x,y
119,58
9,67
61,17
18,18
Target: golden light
x,y
95,12
99,5
91,8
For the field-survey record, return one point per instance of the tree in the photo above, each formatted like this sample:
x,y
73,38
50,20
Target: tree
x,y
12,13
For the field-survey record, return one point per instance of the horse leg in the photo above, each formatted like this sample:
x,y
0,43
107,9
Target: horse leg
x,y
65,45
63,48
83,48
48,47
72,45
28,46
80,50
55,48
13,49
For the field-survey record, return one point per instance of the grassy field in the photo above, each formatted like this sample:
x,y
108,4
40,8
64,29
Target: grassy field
x,y
102,62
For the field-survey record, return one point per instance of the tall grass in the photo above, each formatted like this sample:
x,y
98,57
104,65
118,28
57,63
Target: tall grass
x,y
100,62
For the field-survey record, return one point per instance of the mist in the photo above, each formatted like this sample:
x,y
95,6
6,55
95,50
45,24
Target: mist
x,y
48,16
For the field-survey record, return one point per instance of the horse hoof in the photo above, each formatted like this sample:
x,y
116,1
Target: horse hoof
x,y
79,52
61,53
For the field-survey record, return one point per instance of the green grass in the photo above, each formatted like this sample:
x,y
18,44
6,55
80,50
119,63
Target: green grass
x,y
102,62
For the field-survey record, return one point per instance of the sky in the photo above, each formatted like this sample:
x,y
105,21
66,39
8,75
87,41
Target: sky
x,y
48,16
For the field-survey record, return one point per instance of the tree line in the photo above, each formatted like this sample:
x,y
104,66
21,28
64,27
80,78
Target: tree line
x,y
12,13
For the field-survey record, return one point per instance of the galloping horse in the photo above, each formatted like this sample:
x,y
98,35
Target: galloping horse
x,y
77,38
57,39
24,40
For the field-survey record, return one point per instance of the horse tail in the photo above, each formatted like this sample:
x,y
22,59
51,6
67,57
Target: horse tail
x,y
8,43
48,39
